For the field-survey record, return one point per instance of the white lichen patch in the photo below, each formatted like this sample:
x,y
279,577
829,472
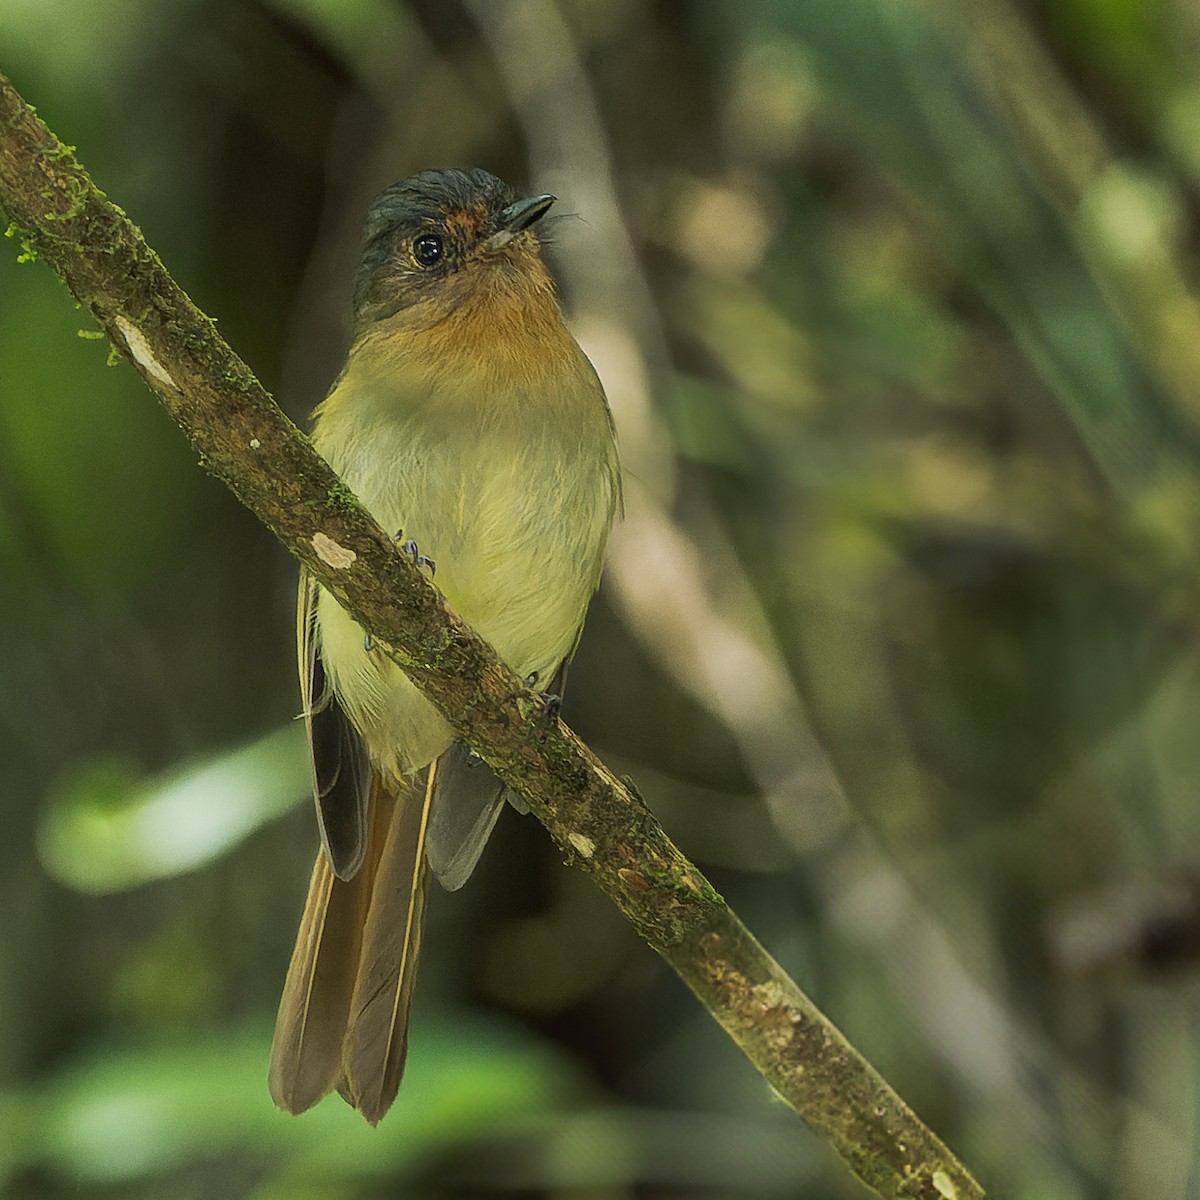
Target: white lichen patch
x,y
142,354
255,443
944,1185
331,552
582,843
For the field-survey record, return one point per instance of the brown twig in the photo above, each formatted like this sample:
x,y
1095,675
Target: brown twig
x,y
599,822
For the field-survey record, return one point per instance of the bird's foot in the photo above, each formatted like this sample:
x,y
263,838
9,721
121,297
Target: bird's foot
x,y
409,547
551,703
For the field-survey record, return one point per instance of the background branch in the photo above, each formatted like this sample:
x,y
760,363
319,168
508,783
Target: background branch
x,y
604,829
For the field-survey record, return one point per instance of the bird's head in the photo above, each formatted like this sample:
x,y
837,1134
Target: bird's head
x,y
441,237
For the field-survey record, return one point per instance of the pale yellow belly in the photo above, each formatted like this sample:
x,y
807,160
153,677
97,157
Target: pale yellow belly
x,y
517,529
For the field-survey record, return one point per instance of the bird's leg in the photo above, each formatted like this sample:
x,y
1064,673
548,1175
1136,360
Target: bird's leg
x,y
409,546
422,560
551,701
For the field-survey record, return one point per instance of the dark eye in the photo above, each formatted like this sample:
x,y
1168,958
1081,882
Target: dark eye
x,y
427,249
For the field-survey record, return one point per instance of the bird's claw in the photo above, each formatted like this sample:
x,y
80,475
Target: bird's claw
x,y
551,704
409,546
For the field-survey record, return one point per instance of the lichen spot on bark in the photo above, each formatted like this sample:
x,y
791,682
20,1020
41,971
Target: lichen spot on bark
x,y
582,843
331,552
944,1185
141,353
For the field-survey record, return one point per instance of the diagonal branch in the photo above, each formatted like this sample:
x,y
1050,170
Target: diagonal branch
x,y
600,823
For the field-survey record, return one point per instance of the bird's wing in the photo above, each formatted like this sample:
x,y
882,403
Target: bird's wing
x,y
465,810
468,803
340,768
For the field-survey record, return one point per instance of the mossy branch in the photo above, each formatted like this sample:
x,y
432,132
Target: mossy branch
x,y
601,824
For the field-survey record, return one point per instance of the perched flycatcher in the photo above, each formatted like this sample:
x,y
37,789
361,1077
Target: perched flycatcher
x,y
467,417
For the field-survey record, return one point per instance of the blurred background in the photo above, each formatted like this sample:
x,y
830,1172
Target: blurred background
x,y
895,304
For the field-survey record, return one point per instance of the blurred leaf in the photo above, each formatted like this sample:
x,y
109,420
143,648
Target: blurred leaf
x,y
104,830
84,59
124,1115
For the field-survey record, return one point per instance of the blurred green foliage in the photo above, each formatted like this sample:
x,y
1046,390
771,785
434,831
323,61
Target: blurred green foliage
x,y
896,306
104,830
129,1117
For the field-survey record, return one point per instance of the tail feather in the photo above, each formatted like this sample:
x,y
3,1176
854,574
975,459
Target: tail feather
x,y
343,1018
306,1055
377,1033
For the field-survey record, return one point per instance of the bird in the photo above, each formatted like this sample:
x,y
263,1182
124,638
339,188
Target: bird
x,y
470,424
